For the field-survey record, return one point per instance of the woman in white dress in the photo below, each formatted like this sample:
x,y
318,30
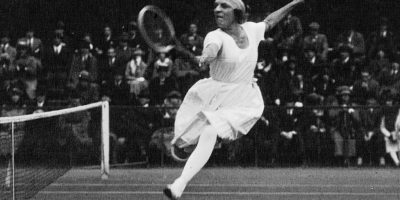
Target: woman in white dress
x,y
229,103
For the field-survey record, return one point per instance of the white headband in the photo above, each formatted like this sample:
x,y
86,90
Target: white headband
x,y
237,4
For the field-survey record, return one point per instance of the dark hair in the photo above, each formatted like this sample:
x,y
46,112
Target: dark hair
x,y
240,16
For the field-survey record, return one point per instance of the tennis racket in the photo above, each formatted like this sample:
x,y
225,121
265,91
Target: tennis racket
x,y
158,31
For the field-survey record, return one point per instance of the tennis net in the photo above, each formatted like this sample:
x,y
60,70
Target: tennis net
x,y
36,149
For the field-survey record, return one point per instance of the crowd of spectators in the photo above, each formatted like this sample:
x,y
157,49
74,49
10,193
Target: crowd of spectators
x,y
298,66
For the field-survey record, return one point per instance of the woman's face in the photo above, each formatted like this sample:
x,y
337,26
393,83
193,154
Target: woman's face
x,y
224,15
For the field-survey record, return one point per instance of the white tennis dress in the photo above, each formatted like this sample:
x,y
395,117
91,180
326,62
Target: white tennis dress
x,y
229,100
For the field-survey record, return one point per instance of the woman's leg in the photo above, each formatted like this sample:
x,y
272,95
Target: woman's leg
x,y
196,161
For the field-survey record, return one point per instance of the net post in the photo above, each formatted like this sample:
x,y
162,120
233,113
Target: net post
x,y
105,140
13,159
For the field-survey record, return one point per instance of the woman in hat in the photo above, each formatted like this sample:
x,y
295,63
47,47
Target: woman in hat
x,y
229,103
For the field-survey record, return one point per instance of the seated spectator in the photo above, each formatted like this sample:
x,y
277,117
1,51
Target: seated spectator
x,y
33,43
88,92
123,51
314,129
84,60
291,35
6,48
135,73
345,128
106,41
365,87
28,69
353,39
324,83
161,85
317,41
388,77
344,69
290,148
87,38
108,66
312,64
117,91
378,62
381,39
192,41
389,124
371,145
172,102
162,61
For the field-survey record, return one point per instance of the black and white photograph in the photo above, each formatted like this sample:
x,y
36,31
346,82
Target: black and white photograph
x,y
199,100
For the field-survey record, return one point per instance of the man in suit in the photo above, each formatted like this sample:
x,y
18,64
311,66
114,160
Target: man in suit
x,y
352,39
318,41
84,60
34,43
106,41
57,62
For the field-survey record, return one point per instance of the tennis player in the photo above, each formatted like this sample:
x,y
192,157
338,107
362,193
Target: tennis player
x,y
229,103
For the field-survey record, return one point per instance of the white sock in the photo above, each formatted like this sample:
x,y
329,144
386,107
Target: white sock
x,y
197,159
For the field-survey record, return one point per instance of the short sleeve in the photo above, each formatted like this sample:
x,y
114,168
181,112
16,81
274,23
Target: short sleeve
x,y
213,38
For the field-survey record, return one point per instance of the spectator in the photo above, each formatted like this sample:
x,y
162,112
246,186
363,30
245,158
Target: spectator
x,y
370,145
291,35
312,65
87,38
83,61
353,39
317,41
389,124
65,35
324,84
345,128
288,78
89,92
117,90
57,65
6,48
162,61
381,39
135,73
29,69
123,51
314,129
34,44
378,63
192,41
161,85
108,66
388,77
106,41
268,80
344,68
290,142
365,87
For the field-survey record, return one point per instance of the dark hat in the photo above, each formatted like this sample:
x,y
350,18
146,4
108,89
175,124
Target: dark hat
x,y
314,25
313,99
341,90
174,94
84,75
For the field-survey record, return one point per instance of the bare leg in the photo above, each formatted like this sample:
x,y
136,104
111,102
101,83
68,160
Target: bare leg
x,y
196,161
